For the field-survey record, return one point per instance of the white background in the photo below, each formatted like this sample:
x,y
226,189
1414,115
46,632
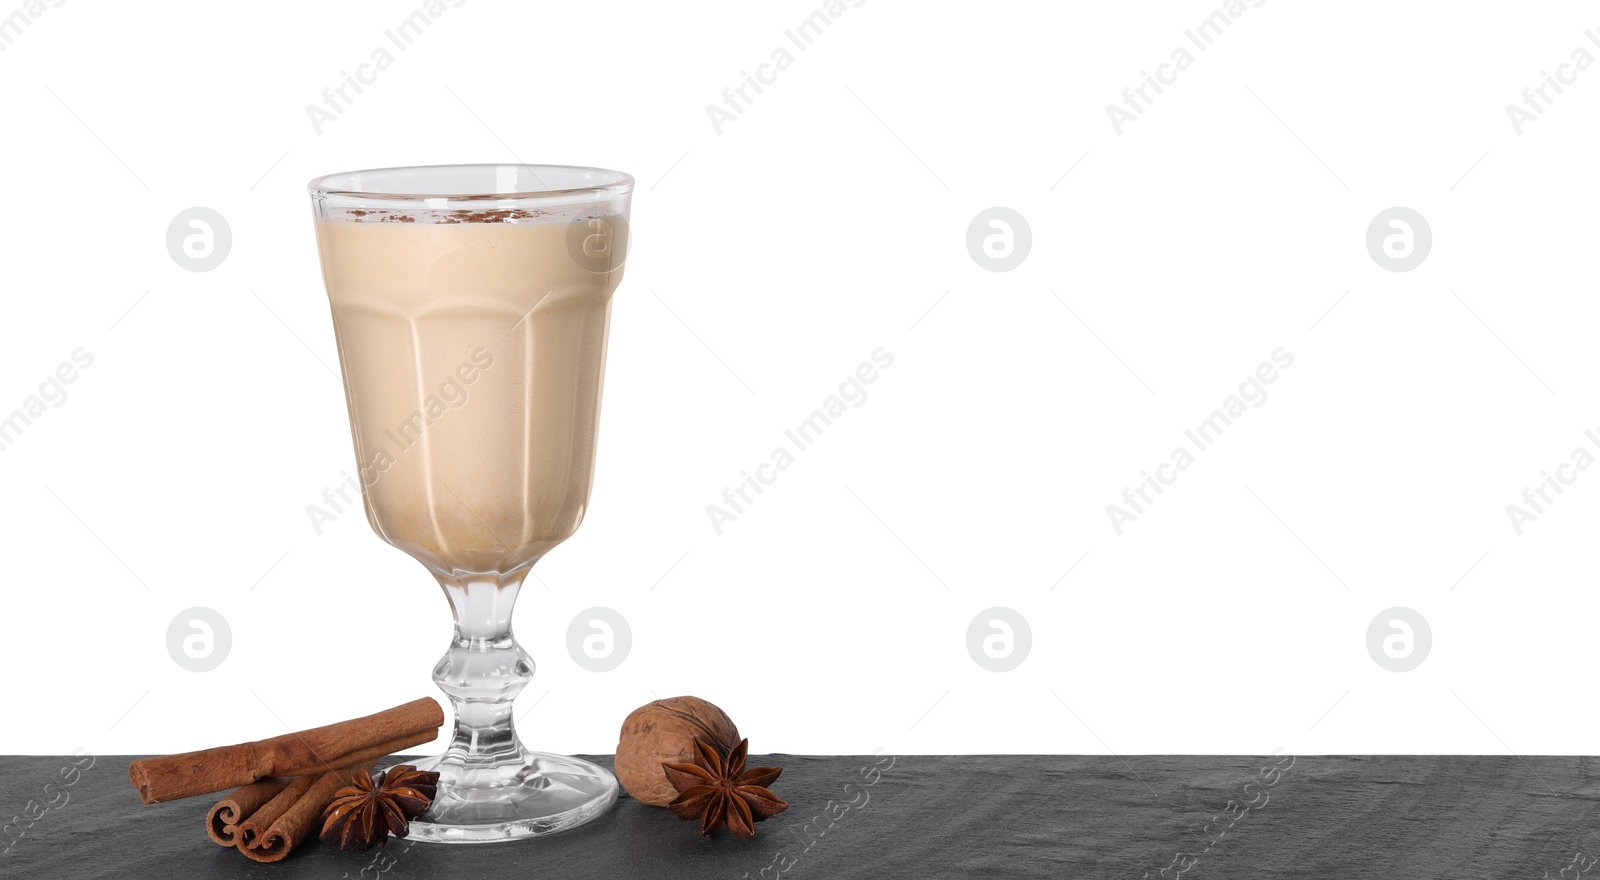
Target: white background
x,y
769,261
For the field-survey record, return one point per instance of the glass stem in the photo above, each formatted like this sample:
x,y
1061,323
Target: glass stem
x,y
484,670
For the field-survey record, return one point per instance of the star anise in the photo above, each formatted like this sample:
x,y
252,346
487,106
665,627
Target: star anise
x,y
717,790
367,812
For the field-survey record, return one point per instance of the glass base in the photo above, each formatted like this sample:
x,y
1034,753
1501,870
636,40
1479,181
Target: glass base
x,y
543,794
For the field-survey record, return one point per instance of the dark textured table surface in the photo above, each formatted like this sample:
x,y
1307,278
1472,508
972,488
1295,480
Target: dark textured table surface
x,y
927,816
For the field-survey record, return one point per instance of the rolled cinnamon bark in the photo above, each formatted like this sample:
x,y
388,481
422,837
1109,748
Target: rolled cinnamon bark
x,y
314,751
290,828
251,829
371,755
222,823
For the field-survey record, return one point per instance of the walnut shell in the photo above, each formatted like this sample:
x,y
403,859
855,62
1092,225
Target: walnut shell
x,y
663,732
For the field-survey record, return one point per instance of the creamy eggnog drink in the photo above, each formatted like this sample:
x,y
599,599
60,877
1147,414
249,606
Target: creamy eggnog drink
x,y
471,305
473,346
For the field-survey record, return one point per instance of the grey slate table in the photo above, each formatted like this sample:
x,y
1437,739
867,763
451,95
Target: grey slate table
x,y
1396,818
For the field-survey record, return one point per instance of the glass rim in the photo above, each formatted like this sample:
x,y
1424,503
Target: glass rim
x,y
347,184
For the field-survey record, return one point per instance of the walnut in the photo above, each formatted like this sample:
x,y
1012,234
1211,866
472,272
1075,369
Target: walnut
x,y
663,732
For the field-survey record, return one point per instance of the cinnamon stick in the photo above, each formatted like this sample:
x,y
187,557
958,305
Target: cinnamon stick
x,y
372,754
318,750
291,827
222,823
252,828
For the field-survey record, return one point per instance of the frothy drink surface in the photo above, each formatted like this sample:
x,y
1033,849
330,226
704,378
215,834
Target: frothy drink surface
x,y
473,348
